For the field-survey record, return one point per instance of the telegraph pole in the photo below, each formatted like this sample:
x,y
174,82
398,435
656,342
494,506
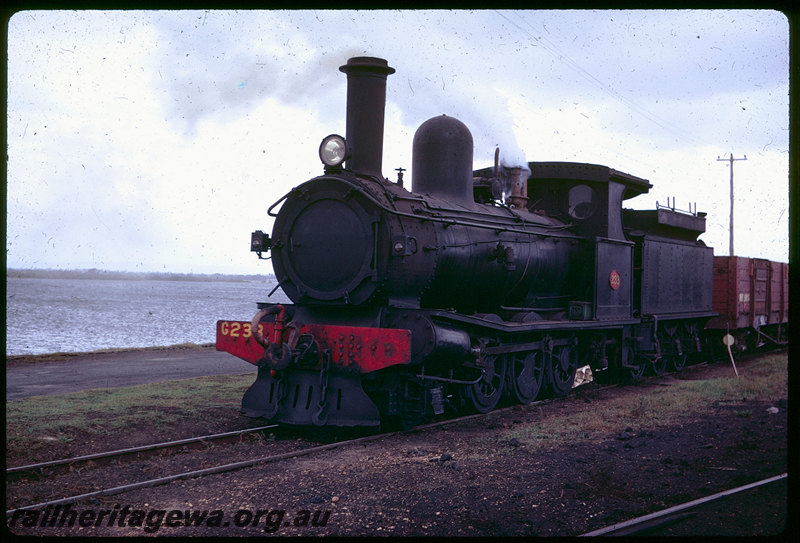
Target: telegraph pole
x,y
731,159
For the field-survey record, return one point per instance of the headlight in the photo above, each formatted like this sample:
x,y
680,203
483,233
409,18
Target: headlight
x,y
333,150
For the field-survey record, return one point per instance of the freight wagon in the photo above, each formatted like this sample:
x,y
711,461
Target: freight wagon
x,y
751,296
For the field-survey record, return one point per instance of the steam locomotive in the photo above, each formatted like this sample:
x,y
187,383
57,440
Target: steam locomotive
x,y
471,288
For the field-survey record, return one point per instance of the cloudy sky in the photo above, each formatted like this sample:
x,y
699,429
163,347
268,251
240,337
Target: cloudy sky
x,y
156,140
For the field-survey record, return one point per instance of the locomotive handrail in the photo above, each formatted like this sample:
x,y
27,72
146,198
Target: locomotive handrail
x,y
676,209
497,220
513,215
433,218
269,211
449,379
496,226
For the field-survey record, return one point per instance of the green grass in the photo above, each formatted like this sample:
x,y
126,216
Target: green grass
x,y
33,423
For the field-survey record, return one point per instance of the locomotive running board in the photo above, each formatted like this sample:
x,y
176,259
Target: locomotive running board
x,y
546,325
295,400
562,325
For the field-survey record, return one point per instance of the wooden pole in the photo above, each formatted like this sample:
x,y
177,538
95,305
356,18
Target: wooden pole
x,y
731,159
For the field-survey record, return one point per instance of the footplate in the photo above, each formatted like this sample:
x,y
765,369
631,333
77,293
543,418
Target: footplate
x,y
297,399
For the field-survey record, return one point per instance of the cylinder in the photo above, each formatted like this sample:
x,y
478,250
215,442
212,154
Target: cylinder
x,y
432,342
442,160
366,104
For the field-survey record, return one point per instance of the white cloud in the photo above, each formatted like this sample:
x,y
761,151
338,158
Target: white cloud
x,y
157,140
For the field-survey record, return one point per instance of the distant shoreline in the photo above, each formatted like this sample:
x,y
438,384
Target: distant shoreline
x,y
95,274
65,356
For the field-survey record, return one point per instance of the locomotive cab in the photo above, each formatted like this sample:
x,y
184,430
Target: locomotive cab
x,y
586,195
589,197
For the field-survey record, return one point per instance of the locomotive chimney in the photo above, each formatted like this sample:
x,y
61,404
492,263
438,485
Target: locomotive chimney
x,y
366,103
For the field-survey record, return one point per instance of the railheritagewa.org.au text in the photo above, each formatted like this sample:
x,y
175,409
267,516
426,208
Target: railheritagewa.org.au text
x,y
153,520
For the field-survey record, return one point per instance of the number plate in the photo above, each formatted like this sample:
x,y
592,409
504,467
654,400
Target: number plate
x,y
236,337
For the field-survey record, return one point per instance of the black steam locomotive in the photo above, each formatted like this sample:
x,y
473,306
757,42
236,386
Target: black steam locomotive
x,y
471,287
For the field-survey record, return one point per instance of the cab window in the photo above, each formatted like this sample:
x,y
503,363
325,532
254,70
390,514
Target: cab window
x,y
581,202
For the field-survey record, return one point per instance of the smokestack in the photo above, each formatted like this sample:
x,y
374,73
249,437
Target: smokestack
x,y
366,103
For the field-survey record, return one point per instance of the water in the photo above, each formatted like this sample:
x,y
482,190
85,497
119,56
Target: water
x,y
83,315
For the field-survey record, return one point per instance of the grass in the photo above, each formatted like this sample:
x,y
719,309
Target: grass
x,y
764,379
42,421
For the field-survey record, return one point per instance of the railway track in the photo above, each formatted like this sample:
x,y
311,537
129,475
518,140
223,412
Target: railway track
x,y
237,465
118,489
108,455
654,521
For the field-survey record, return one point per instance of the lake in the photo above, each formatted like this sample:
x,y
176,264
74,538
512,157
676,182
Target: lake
x,y
50,315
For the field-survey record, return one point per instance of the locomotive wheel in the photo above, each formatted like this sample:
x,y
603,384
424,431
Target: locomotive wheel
x,y
484,395
659,367
563,365
675,361
691,339
526,374
635,373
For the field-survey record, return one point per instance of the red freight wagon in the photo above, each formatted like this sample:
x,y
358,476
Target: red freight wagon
x,y
751,296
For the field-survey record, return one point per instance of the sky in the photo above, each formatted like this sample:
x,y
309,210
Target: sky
x,y
157,140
